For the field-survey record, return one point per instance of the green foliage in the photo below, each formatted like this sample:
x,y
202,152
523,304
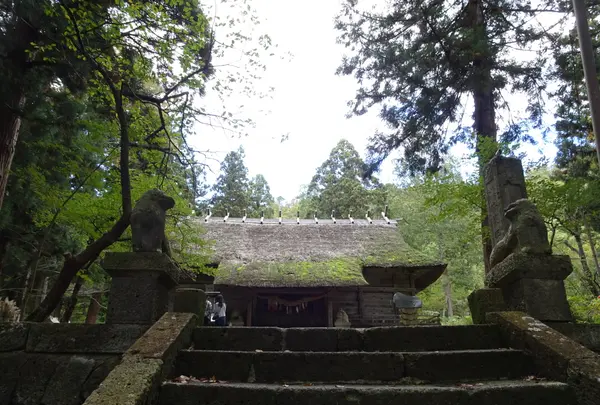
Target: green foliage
x,y
339,186
261,200
231,188
419,61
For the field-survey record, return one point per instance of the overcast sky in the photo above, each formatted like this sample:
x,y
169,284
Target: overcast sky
x,y
308,102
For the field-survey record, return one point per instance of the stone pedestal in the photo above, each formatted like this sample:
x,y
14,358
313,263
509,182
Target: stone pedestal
x,y
139,290
192,300
534,284
483,301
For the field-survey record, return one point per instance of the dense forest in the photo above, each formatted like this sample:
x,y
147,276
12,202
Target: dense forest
x,y
99,99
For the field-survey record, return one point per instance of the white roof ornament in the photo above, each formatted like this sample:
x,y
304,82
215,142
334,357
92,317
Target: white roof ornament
x,y
298,218
262,217
244,217
368,216
333,216
350,217
206,218
280,219
226,216
316,219
384,215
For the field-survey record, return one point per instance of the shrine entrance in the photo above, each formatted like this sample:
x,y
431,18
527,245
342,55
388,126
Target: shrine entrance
x,y
290,310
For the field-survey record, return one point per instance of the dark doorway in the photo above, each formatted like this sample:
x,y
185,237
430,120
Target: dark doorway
x,y
305,311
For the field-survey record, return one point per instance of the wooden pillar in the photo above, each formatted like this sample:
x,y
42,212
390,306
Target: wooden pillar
x,y
329,312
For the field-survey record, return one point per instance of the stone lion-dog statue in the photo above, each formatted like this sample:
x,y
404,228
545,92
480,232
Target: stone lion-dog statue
x,y
527,232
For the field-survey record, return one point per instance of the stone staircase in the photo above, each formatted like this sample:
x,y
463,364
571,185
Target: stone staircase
x,y
425,365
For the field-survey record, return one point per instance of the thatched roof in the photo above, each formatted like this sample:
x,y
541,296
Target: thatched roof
x,y
307,254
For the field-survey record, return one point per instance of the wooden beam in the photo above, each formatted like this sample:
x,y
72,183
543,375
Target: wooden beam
x,y
329,312
249,312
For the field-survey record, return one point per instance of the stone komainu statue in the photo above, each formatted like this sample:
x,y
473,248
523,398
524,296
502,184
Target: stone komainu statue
x,y
148,222
341,319
527,232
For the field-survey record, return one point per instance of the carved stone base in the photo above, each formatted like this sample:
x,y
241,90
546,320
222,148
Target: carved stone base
x,y
483,301
140,286
192,300
534,284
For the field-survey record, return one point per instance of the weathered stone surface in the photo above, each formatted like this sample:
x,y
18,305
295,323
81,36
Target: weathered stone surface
x,y
522,393
534,284
521,265
81,338
10,366
171,333
148,222
133,382
432,338
504,183
240,338
550,350
191,300
468,365
584,375
140,286
323,339
34,376
13,336
140,261
271,367
64,388
587,334
483,301
103,365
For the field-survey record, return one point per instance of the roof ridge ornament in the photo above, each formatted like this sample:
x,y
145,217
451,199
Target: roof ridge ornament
x,y
226,216
298,218
262,217
280,219
350,217
368,216
244,217
384,215
206,218
333,216
316,219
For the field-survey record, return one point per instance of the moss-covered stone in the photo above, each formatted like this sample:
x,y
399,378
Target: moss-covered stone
x,y
133,382
552,351
13,336
483,301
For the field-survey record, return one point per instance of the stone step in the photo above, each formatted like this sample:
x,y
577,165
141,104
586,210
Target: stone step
x,y
389,367
494,393
398,338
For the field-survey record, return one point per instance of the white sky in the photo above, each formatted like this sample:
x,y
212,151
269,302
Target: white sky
x,y
308,102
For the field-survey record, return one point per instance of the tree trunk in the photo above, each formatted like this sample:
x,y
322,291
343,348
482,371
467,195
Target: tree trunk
x,y
94,308
73,301
484,116
447,284
587,273
593,248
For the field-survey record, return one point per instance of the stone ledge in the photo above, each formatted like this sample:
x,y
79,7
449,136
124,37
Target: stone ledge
x,y
521,265
133,382
555,355
74,338
483,301
13,336
587,334
148,361
116,263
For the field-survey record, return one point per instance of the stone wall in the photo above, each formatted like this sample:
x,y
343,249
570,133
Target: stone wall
x,y
586,334
52,364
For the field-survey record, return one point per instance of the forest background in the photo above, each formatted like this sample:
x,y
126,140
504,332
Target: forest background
x,y
100,101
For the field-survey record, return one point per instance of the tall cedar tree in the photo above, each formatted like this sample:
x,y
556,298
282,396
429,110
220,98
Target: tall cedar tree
x,y
339,185
231,188
418,60
260,198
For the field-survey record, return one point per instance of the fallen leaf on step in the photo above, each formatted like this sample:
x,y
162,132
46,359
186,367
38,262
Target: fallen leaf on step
x,y
534,378
183,379
467,386
307,384
285,385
